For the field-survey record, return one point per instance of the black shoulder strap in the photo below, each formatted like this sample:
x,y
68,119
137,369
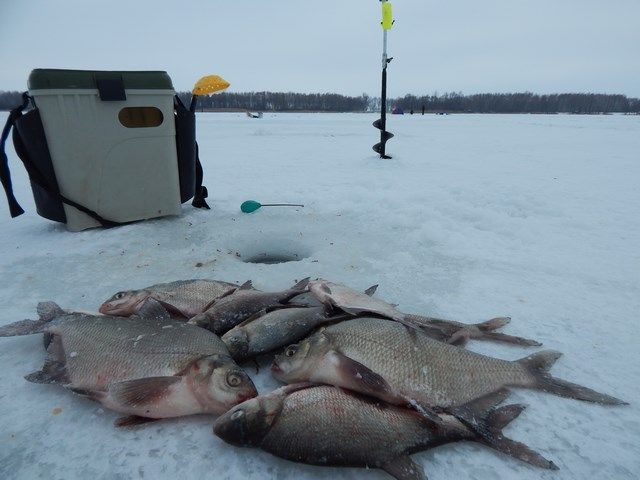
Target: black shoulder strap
x,y
201,191
5,175
34,173
189,118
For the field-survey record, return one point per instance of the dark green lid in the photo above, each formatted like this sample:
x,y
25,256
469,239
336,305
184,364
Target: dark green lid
x,y
45,78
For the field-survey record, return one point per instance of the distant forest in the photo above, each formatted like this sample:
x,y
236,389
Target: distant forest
x,y
580,103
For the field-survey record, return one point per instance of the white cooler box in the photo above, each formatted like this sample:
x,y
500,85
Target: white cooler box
x,y
105,148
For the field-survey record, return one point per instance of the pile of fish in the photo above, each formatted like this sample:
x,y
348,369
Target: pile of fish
x,y
367,385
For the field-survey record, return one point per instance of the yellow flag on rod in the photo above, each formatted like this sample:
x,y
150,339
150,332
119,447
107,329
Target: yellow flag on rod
x,y
387,15
210,84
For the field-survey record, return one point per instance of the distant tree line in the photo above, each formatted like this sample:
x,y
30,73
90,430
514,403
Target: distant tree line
x,y
521,103
282,102
8,100
447,102
588,103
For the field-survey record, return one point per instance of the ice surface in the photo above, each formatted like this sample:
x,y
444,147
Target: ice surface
x,y
535,217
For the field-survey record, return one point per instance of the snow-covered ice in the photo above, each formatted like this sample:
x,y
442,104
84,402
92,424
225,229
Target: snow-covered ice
x,y
477,216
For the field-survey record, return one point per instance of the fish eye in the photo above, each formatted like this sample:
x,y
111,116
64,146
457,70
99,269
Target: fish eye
x,y
237,414
233,379
118,295
291,351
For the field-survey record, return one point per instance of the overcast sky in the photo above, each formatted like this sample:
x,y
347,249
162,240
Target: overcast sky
x,y
471,46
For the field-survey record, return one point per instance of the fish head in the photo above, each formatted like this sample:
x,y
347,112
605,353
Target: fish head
x,y
298,361
220,384
245,425
237,341
124,303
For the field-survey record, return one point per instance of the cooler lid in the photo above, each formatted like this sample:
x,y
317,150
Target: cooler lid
x,y
46,78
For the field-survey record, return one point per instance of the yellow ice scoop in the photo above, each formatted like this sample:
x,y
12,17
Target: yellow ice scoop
x,y
210,84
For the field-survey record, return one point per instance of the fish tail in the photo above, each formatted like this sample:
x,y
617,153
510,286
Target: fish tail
x,y
504,338
47,311
485,331
23,327
493,324
485,420
302,285
538,366
491,435
457,333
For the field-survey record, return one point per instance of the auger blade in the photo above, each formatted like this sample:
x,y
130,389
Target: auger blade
x,y
384,137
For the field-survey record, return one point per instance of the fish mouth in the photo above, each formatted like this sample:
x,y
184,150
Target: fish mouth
x,y
275,368
104,308
248,395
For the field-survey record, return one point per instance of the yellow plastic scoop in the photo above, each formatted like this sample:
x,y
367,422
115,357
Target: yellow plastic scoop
x,y
210,84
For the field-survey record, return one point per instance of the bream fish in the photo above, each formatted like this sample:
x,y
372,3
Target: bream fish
x,y
271,329
184,298
343,298
384,359
149,369
324,425
236,307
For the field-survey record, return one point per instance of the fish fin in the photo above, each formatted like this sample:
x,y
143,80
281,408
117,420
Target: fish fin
x,y
269,309
302,285
493,324
49,375
473,413
414,326
504,338
487,423
479,407
282,306
47,311
55,352
142,391
54,369
248,285
152,309
201,320
457,333
485,331
429,329
253,317
371,290
459,338
325,289
229,293
499,417
96,395
425,410
132,421
360,376
362,379
492,436
403,468
23,327
351,311
294,387
539,364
